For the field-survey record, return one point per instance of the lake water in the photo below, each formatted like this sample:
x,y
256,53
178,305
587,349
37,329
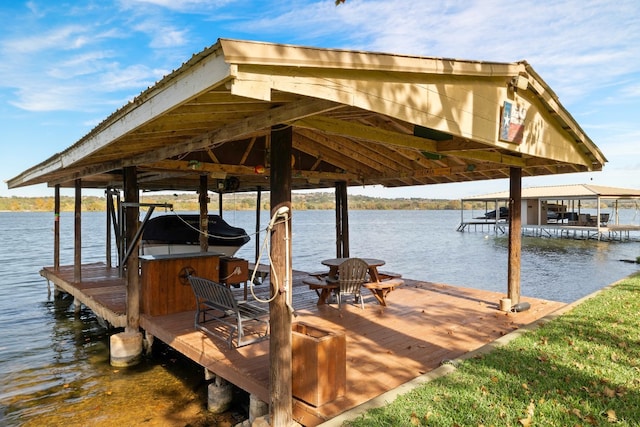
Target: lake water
x,y
54,367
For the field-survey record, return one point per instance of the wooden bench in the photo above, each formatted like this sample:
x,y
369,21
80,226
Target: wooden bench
x,y
243,318
323,288
386,275
382,288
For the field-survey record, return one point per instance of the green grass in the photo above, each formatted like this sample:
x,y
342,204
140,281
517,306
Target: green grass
x,y
581,369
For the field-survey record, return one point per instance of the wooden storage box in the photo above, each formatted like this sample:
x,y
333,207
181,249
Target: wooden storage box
x,y
319,364
233,270
164,288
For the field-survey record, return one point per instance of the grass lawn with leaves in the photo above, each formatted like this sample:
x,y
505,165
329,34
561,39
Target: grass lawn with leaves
x,y
580,369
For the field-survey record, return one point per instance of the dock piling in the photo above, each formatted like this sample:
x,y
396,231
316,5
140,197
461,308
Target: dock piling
x,y
219,395
257,408
125,349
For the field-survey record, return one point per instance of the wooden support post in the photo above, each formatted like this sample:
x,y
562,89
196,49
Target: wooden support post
x,y
132,218
125,348
515,234
258,208
56,228
77,233
203,198
345,219
342,221
338,222
280,316
109,202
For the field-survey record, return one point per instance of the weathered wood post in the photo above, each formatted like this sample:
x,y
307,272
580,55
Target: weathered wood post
x,y
342,221
126,347
77,233
515,234
77,245
258,207
56,228
280,316
203,198
108,228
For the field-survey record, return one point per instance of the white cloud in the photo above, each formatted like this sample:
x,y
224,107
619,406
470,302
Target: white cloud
x,y
97,56
176,5
79,65
63,38
128,78
575,45
161,34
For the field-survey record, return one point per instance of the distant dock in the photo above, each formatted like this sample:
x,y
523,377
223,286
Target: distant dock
x,y
620,233
585,212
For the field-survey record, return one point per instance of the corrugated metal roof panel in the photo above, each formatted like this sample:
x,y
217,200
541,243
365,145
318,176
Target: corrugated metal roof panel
x,y
564,191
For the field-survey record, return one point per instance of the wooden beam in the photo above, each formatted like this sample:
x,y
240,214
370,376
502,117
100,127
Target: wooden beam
x,y
242,128
368,133
487,156
345,151
184,166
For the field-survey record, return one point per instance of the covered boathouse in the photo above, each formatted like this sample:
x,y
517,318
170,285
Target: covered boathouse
x,y
251,116
580,211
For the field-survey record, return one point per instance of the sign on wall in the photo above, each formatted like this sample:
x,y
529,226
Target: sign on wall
x,y
512,122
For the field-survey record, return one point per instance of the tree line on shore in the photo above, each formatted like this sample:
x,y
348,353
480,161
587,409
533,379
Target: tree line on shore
x,y
245,201
237,201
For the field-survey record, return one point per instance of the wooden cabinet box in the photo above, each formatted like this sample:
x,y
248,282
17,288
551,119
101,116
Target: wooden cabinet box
x,y
164,288
319,364
233,270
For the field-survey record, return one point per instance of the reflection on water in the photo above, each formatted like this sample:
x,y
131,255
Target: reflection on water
x,y
54,367
63,378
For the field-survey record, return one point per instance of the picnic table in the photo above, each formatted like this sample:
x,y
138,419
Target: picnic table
x,y
380,283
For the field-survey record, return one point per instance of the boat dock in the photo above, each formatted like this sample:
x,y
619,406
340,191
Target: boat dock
x,y
423,325
489,225
586,212
612,233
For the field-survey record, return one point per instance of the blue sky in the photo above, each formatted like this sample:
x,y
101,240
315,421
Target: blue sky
x,y
66,65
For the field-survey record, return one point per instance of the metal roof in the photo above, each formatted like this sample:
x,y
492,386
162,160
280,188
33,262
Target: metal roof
x,y
359,117
582,191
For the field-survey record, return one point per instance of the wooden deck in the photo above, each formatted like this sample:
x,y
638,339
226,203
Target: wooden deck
x,y
101,289
423,324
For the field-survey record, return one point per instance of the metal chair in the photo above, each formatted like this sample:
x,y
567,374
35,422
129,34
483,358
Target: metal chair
x,y
352,274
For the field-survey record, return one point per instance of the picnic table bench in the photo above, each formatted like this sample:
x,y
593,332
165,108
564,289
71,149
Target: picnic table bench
x,y
325,284
381,288
261,270
247,322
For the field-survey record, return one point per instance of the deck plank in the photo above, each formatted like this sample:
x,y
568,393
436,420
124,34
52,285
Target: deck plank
x,y
423,324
